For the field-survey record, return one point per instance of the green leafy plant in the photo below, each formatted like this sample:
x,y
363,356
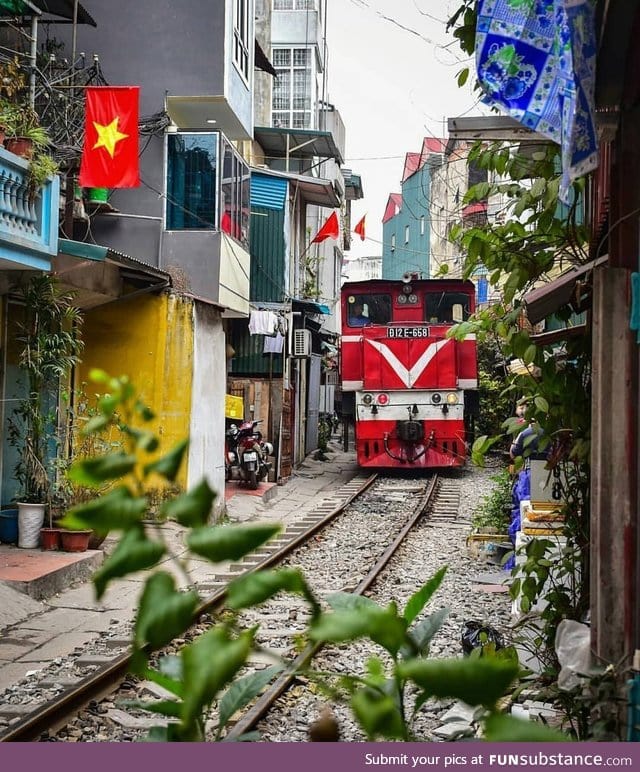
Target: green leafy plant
x,y
49,346
41,167
494,510
537,235
25,123
210,669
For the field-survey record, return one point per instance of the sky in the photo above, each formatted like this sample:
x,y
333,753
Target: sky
x,y
392,87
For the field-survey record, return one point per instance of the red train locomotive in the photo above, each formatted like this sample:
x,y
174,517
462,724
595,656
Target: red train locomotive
x,y
409,389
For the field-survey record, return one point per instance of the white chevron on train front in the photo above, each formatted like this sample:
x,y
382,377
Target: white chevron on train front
x,y
409,375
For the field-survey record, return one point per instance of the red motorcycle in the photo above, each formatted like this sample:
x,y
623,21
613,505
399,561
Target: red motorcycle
x,y
247,454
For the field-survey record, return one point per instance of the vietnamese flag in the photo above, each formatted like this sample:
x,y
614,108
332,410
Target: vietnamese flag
x,y
330,230
110,152
359,229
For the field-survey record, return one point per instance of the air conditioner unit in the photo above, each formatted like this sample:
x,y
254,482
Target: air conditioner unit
x,y
301,343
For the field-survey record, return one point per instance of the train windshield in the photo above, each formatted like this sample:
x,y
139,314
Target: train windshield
x,y
446,307
363,310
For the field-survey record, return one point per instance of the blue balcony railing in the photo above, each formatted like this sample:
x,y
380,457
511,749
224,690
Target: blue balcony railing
x,y
28,224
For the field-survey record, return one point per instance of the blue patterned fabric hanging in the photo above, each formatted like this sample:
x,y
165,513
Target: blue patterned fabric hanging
x,y
535,60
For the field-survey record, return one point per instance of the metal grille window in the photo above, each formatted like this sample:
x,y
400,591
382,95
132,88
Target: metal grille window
x,y
292,97
241,21
192,165
294,5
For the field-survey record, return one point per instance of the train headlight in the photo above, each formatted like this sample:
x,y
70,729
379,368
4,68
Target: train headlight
x,y
367,399
383,399
452,399
436,398
407,289
402,299
412,299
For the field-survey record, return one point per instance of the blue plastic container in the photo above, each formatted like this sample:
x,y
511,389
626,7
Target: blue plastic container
x,y
9,526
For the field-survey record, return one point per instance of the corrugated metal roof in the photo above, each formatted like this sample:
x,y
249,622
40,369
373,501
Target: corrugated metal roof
x,y
267,280
268,191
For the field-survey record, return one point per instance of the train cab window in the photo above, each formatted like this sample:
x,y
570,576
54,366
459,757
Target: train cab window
x,y
363,310
446,307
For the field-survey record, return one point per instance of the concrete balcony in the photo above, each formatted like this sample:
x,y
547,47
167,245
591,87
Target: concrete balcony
x,y
28,226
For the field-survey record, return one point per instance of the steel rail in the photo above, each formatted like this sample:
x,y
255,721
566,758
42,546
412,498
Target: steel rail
x,y
56,712
262,705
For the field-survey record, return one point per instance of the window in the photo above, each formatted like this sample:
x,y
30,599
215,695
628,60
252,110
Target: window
x,y
294,5
364,310
406,234
192,168
241,20
234,195
422,225
292,90
476,174
446,307
393,242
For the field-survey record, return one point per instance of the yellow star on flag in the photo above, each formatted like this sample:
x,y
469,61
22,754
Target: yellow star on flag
x,y
108,136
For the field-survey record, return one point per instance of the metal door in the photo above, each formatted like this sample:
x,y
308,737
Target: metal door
x,y
313,402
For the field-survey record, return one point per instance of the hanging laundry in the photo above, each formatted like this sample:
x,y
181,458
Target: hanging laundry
x,y
263,323
535,61
273,345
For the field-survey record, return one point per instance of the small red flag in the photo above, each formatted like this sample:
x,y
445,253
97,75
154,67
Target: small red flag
x,y
330,230
359,229
110,152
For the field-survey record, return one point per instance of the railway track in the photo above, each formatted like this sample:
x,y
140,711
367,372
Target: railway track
x,y
399,503
422,501
106,677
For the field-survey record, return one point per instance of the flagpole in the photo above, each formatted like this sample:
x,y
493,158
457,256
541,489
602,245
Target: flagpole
x,y
69,188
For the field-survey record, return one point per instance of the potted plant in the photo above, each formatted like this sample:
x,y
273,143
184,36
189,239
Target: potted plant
x,y
13,83
24,132
49,345
41,168
8,116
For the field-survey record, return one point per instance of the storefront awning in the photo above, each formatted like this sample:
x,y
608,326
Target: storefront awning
x,y
297,143
99,275
82,250
313,190
62,8
571,288
309,307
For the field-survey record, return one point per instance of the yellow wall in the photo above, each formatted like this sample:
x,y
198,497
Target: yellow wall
x,y
150,339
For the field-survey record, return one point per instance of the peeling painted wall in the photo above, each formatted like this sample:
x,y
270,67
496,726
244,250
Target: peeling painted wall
x,y
206,450
150,339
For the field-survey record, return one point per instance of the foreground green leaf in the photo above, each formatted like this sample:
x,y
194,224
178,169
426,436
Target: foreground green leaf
x,y
424,631
93,472
209,664
164,612
168,465
383,626
378,714
474,681
191,509
134,553
503,728
242,691
255,588
116,510
419,599
229,542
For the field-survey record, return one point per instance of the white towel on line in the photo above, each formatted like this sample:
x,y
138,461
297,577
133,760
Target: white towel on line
x,y
273,345
263,323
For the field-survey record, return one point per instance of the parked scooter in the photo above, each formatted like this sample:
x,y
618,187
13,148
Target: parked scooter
x,y
247,454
